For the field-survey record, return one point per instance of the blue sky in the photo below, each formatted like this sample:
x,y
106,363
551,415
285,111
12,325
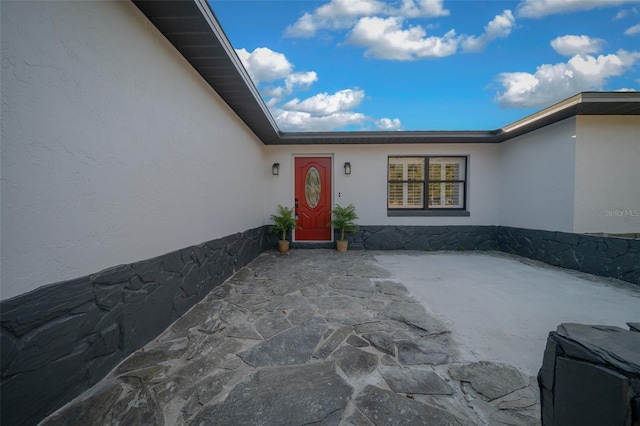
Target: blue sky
x,y
429,64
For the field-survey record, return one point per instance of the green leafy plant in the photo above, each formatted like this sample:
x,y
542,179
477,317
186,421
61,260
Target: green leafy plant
x,y
343,219
284,221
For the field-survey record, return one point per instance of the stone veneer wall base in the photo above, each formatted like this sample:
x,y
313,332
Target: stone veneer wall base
x,y
612,257
61,339
606,256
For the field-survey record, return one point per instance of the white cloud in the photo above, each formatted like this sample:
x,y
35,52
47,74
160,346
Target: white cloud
x,y
625,89
335,15
319,112
378,27
271,103
571,45
552,83
324,112
419,9
385,39
296,80
305,122
388,124
540,8
626,12
343,14
631,31
500,26
273,92
349,8
305,26
263,64
300,79
326,104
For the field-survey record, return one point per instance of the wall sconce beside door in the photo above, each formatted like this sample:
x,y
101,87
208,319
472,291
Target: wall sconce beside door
x,y
275,169
347,168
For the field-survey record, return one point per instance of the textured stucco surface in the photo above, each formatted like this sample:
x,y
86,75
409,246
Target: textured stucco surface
x,y
607,197
537,179
366,186
113,148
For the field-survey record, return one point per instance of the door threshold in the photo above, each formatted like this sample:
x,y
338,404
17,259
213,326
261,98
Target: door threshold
x,y
313,244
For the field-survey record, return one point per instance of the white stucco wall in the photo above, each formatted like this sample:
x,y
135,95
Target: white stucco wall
x,y
366,187
607,197
113,148
537,178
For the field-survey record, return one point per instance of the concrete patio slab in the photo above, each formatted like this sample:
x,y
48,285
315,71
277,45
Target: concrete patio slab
x,y
315,336
501,307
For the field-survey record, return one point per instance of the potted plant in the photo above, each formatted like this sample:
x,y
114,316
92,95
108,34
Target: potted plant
x,y
284,222
343,218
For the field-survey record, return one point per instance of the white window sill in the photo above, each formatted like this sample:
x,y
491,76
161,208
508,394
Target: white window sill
x,y
431,213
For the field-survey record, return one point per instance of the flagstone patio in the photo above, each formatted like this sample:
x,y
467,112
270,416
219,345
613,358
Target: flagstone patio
x,y
310,337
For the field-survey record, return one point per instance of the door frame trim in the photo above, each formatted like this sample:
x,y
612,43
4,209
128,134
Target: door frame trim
x,y
293,188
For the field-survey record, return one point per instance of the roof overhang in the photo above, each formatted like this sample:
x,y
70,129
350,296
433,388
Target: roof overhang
x,y
192,27
585,103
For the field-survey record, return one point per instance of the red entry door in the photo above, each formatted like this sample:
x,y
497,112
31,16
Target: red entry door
x,y
313,198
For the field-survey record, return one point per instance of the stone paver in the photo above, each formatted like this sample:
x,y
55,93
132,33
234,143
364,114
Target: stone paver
x,y
297,395
333,341
388,408
382,341
355,362
433,350
490,379
415,381
310,337
291,347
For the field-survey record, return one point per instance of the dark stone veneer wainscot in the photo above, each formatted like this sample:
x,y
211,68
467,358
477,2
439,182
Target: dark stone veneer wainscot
x,y
599,255
61,339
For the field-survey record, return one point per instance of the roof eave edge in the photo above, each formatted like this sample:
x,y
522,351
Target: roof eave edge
x,y
208,14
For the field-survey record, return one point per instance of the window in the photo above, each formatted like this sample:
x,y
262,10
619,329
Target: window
x,y
434,184
406,182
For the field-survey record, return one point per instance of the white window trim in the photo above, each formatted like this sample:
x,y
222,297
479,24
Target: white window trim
x,y
427,210
405,162
444,161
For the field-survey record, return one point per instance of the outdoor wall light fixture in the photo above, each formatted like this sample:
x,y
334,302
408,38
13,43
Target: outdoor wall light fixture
x,y
275,169
347,168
